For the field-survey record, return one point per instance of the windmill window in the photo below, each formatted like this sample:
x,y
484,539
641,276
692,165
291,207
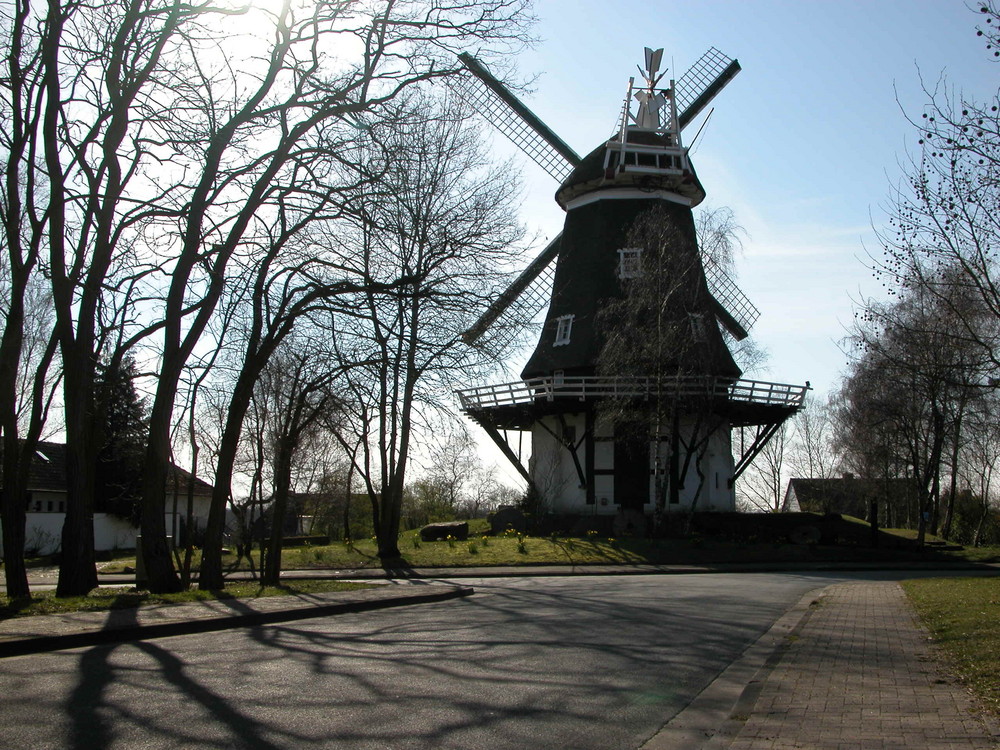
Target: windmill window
x,y
629,262
564,327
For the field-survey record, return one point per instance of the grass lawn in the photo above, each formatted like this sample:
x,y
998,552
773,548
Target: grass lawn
x,y
46,603
963,615
477,550
512,549
977,554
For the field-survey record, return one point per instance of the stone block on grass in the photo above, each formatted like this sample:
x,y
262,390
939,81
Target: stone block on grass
x,y
434,532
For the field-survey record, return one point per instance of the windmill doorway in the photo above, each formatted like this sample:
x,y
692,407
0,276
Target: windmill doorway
x,y
631,470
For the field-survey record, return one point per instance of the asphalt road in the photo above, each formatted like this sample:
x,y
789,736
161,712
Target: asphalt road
x,y
588,662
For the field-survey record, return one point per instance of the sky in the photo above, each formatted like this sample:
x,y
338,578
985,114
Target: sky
x,y
804,145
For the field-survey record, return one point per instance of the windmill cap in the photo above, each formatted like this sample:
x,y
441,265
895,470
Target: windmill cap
x,y
592,175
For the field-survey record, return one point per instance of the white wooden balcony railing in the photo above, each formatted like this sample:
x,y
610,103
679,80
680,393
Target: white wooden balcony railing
x,y
524,392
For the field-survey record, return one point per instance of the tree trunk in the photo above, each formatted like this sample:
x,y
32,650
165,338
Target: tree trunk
x,y
387,523
78,565
873,520
674,466
936,499
953,488
347,505
211,556
14,497
189,515
155,550
980,522
271,574
14,492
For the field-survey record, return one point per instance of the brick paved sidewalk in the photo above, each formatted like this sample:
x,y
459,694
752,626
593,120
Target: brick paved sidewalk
x,y
860,674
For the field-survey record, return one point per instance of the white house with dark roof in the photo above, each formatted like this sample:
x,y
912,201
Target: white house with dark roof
x,y
47,506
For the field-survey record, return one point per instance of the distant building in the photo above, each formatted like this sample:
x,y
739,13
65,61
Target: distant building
x,y
847,495
46,508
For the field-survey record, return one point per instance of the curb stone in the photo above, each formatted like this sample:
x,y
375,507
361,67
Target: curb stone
x,y
733,693
19,636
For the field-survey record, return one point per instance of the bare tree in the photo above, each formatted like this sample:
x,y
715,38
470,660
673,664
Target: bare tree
x,y
764,482
27,346
980,460
720,236
298,384
912,380
416,32
444,220
945,215
812,453
154,138
453,463
289,282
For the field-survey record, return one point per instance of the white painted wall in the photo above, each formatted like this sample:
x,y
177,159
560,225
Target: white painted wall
x,y
43,531
551,466
554,472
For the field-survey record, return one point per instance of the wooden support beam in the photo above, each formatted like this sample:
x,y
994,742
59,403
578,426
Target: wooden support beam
x,y
505,449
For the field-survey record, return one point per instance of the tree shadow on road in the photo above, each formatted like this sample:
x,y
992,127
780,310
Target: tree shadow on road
x,y
95,714
600,663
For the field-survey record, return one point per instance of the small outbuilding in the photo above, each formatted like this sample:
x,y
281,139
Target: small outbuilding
x,y
46,509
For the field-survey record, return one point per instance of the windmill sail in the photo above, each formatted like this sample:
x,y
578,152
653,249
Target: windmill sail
x,y
702,81
526,286
733,308
520,125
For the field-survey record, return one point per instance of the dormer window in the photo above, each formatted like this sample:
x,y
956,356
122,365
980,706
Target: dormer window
x,y
630,263
564,327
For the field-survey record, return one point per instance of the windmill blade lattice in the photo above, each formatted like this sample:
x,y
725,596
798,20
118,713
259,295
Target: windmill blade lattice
x,y
504,111
735,310
527,294
536,295
520,318
702,81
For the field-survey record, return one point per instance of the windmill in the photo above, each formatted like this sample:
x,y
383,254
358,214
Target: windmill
x,y
581,462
